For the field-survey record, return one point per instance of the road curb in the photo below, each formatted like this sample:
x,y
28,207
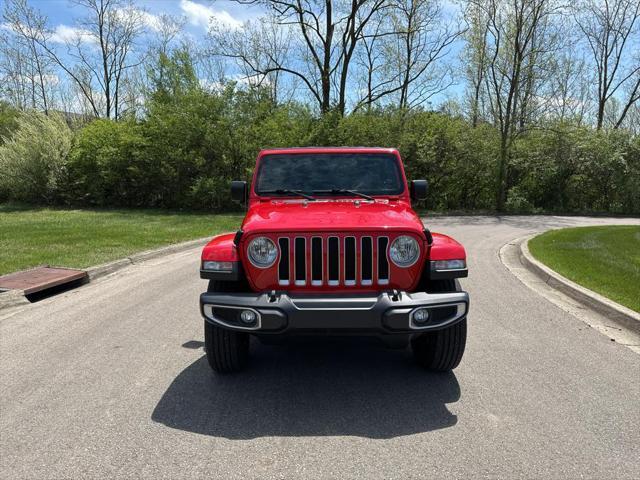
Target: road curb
x,y
615,312
15,298
112,267
12,298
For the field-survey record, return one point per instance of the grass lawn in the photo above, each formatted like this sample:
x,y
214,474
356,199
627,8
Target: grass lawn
x,y
603,259
31,236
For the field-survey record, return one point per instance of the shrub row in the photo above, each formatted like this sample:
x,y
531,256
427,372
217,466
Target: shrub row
x,y
191,143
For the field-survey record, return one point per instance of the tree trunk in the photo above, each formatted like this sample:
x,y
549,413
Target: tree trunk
x,y
502,174
600,120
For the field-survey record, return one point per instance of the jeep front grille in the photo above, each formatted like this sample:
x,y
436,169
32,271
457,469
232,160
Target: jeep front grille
x,y
332,260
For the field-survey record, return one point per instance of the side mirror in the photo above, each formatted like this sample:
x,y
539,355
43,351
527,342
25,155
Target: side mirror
x,y
419,189
239,191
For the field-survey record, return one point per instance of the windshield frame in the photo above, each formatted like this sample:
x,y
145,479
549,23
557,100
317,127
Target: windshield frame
x,y
393,154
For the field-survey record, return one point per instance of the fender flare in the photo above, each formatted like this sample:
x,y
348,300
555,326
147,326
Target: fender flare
x,y
445,248
221,249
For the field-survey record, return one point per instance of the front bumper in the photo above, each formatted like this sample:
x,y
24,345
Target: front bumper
x,y
387,312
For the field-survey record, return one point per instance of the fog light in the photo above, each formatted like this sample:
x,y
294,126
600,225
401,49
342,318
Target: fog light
x,y
248,317
420,316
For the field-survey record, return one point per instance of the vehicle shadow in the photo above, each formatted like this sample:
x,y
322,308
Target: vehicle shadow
x,y
311,389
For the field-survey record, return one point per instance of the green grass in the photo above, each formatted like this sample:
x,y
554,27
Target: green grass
x,y
31,236
603,259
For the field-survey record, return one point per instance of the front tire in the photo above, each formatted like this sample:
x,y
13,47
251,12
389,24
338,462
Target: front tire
x,y
227,350
441,350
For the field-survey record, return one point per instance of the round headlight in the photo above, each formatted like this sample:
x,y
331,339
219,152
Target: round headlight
x,y
262,252
404,251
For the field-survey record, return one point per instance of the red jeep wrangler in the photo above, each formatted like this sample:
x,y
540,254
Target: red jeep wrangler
x,y
331,245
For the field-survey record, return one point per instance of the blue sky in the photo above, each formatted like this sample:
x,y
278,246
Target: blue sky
x,y
61,13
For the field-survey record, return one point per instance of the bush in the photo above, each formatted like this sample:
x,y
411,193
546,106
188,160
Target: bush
x,y
108,166
192,143
568,169
33,161
603,167
8,121
459,162
517,202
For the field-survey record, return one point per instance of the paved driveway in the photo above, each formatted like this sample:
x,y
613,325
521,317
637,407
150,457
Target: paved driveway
x,y
109,380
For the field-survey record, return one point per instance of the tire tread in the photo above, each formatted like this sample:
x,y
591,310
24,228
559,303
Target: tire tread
x,y
227,350
441,350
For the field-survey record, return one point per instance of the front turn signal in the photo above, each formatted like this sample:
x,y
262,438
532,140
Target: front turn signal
x,y
448,265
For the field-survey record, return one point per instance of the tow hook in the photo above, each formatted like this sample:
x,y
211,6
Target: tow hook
x,y
395,295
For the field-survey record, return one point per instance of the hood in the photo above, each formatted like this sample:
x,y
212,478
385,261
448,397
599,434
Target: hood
x,y
331,215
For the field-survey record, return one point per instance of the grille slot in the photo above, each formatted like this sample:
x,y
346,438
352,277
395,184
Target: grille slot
x,y
366,257
300,261
383,263
350,261
283,265
334,260
316,261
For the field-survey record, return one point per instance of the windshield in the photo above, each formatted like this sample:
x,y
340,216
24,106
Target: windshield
x,y
327,173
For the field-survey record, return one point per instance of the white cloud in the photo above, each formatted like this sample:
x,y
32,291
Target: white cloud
x,y
210,85
65,33
51,79
242,81
150,20
200,15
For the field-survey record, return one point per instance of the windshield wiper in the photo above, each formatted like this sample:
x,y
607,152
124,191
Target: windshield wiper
x,y
342,191
286,191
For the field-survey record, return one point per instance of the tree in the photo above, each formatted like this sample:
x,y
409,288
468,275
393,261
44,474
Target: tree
x,y
518,37
372,68
260,49
422,38
26,63
101,49
172,77
569,87
612,32
14,85
329,35
475,57
402,52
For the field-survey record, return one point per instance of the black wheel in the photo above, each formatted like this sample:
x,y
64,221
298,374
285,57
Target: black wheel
x,y
442,350
227,350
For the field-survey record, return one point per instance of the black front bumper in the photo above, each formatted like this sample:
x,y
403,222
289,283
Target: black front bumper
x,y
385,313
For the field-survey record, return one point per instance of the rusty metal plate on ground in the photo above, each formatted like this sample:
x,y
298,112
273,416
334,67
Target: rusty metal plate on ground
x,y
39,279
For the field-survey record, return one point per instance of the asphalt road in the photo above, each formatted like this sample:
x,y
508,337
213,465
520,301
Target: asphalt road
x,y
110,380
